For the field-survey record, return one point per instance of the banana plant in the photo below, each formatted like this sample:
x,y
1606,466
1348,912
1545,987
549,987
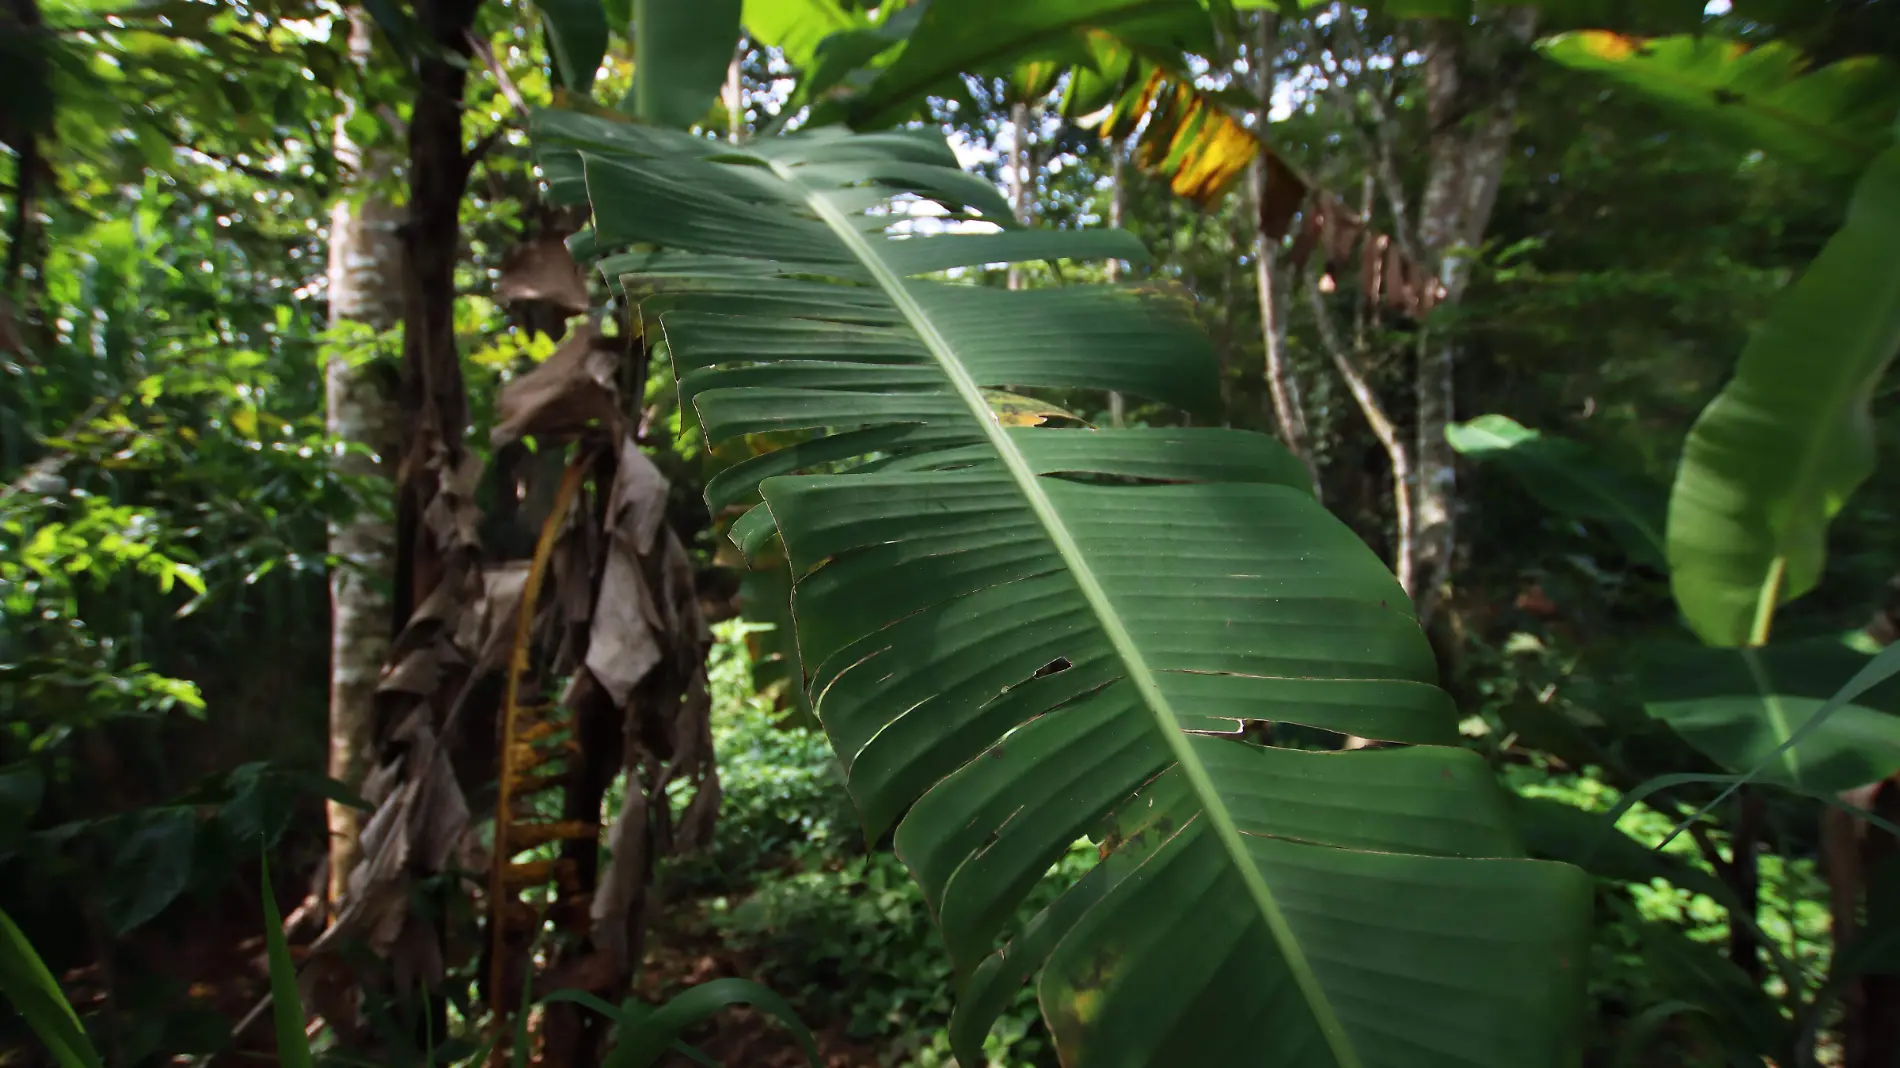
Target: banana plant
x,y
1740,707
1131,67
1832,120
1016,635
1774,457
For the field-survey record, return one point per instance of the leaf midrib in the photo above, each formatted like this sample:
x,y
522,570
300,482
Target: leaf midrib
x,y
1139,673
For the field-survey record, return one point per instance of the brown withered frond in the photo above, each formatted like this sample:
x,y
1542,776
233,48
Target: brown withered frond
x,y
550,676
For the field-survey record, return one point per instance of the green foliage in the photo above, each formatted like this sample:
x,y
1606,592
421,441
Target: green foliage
x,y
964,568
844,934
782,797
1775,456
681,50
29,987
645,1037
150,543
1654,949
1742,708
577,39
1564,477
991,37
797,27
1630,15
853,940
1834,120
293,1048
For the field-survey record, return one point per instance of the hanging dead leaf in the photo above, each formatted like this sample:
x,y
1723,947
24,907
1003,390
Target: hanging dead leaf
x,y
572,390
1281,199
542,270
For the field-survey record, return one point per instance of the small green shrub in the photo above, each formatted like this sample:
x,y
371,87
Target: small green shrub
x,y
843,932
782,800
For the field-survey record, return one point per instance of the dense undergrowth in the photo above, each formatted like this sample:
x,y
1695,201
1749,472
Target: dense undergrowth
x,y
840,930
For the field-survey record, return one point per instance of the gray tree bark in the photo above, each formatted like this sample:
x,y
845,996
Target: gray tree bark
x,y
360,412
1465,166
1021,180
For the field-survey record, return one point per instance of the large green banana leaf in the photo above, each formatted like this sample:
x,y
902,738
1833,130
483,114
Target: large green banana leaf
x,y
1638,16
798,27
1739,706
1774,457
955,37
577,39
1017,635
1834,120
681,51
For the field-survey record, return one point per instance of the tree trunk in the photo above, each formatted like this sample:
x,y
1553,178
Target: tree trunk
x,y
1117,413
1465,165
1289,413
24,124
359,411
1020,180
1860,870
1744,878
434,404
734,94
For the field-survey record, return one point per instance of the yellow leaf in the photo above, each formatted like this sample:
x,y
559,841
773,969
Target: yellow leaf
x,y
1606,44
1013,409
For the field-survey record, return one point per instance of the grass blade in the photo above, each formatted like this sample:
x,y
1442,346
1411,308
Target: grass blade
x,y
293,1046
26,983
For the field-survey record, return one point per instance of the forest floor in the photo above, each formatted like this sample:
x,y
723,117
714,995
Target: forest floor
x,y
683,955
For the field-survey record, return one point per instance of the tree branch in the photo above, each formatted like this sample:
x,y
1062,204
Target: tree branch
x,y
1381,423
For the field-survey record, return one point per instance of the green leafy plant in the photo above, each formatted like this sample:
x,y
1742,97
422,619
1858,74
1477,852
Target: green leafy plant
x,y
782,795
1834,119
843,934
1019,635
26,983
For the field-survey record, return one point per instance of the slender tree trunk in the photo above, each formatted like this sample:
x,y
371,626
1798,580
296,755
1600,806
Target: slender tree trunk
x,y
1859,869
359,411
1877,994
735,94
1744,878
23,127
1383,428
1439,230
434,402
1117,414
1289,413
1465,166
1021,181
